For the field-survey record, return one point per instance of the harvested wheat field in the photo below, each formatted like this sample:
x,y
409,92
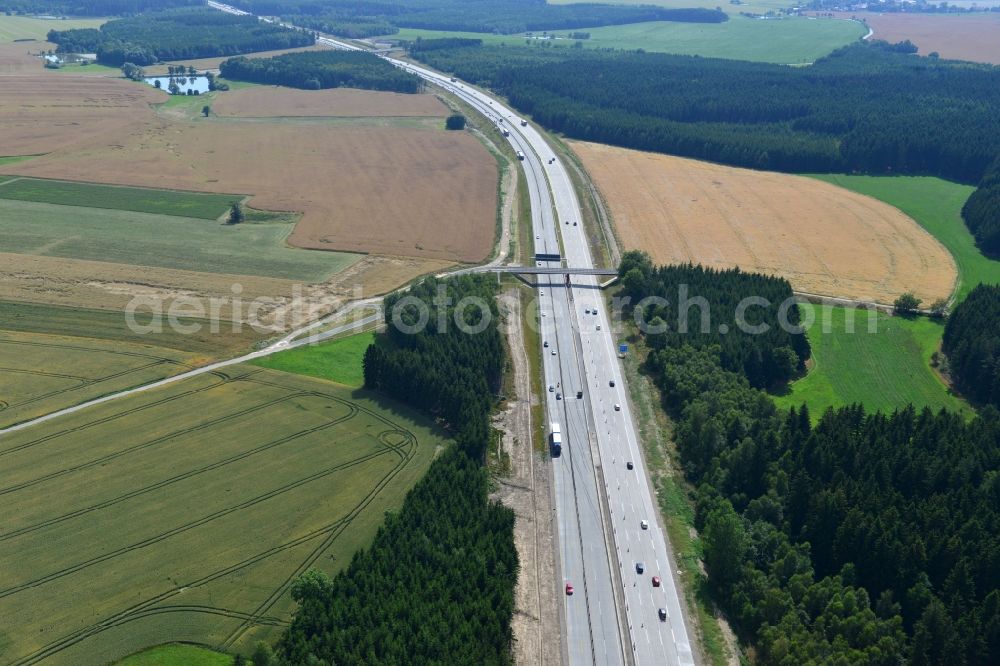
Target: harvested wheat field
x,y
16,59
383,190
823,239
261,102
974,37
276,304
40,113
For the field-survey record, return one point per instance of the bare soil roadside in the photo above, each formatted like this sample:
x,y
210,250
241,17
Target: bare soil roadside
x,y
527,491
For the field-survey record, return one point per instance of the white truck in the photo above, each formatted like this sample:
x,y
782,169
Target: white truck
x,y
555,437
520,155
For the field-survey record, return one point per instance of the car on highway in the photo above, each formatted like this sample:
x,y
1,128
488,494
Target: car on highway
x,y
541,292
551,388
586,311
629,465
598,327
558,396
663,614
656,581
574,224
639,567
618,407
553,352
579,395
569,589
644,524
545,344
611,383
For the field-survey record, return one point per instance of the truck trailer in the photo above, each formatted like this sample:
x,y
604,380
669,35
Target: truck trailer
x,y
555,437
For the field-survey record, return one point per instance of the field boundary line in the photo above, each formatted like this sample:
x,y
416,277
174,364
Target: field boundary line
x,y
281,345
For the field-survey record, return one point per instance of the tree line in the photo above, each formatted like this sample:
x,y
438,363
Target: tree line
x,y
489,16
314,70
178,35
866,107
437,583
972,343
92,7
982,212
861,539
701,307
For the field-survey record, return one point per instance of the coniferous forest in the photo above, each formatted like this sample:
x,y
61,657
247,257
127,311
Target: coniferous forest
x,y
982,212
353,18
871,108
701,307
861,539
972,343
866,107
92,7
437,584
177,35
313,70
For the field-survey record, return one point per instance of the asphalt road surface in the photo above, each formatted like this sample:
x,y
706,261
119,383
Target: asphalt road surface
x,y
613,616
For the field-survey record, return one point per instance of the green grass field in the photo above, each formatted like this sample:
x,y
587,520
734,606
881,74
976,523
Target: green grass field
x,y
140,200
167,241
338,361
883,370
936,205
177,654
41,373
891,368
184,513
751,6
12,159
93,324
25,27
786,41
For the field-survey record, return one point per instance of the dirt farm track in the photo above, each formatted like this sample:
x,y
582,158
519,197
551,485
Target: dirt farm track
x,y
823,239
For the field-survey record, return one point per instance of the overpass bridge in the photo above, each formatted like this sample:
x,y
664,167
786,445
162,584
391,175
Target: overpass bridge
x,y
544,270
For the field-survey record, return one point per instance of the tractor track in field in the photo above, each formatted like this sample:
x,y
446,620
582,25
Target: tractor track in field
x,y
330,532
153,442
222,377
169,481
180,529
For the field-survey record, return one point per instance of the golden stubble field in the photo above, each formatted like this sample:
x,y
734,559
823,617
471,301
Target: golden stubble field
x,y
262,102
974,37
413,198
44,111
823,239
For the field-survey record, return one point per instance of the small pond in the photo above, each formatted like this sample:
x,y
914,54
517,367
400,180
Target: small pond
x,y
184,83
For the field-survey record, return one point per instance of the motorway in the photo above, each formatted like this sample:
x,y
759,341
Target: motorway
x,y
613,615
600,503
